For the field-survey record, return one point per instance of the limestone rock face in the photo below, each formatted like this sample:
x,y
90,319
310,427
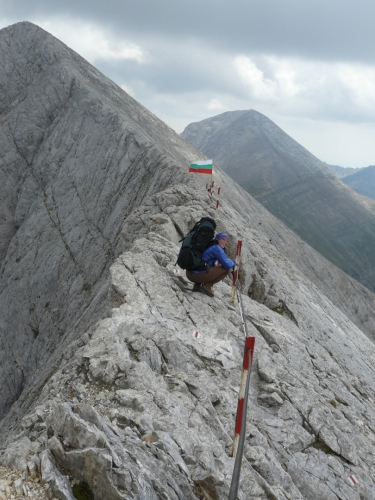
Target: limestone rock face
x,y
294,185
105,383
77,156
140,407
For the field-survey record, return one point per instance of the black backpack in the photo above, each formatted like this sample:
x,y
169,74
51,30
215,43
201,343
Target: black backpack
x,y
195,243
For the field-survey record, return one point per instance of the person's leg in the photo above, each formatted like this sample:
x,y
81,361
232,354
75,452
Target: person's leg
x,y
218,274
196,278
214,275
207,279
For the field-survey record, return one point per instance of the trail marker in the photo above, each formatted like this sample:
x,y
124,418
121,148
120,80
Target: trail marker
x,y
353,480
218,199
243,396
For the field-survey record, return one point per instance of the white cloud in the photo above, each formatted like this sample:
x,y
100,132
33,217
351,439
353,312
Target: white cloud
x,y
214,105
337,143
360,82
309,88
252,76
285,75
91,41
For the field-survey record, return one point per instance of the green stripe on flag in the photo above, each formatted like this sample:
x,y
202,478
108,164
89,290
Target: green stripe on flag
x,y
202,167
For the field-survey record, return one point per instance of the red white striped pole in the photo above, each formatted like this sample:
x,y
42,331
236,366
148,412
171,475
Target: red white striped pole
x,y
218,199
210,187
243,397
235,272
246,368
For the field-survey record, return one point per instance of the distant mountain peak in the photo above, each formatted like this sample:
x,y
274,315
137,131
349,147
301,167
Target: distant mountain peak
x,y
293,184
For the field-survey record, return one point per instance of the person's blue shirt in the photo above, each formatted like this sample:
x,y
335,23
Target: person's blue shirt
x,y
214,253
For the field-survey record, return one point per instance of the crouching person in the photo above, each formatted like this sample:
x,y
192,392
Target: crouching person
x,y
219,268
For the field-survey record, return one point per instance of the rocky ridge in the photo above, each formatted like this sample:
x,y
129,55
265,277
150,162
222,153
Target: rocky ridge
x,y
121,399
141,408
78,155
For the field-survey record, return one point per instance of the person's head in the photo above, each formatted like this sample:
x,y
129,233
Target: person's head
x,y
222,239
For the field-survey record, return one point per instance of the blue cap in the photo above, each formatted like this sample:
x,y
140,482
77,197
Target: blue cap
x,y
220,236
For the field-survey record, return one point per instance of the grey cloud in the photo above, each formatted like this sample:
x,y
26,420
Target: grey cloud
x,y
321,29
178,69
191,46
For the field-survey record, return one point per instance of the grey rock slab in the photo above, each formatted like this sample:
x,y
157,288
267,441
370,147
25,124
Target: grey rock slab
x,y
272,399
78,433
267,465
134,399
18,453
58,483
166,443
315,474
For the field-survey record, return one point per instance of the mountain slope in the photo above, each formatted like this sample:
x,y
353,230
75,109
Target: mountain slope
x,y
78,155
363,181
294,185
103,381
140,408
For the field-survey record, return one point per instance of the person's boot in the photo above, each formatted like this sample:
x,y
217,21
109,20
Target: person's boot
x,y
206,288
197,287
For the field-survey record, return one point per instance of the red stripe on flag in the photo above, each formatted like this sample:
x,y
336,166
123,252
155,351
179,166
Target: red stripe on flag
x,y
200,170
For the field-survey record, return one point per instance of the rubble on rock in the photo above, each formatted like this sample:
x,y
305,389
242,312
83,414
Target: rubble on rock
x,y
16,485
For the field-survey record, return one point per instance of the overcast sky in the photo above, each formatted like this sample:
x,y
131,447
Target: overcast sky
x,y
308,65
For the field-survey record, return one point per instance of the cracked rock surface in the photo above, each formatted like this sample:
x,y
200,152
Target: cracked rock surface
x,y
142,408
105,385
77,156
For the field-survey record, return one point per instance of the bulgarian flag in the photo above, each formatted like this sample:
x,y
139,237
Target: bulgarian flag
x,y
201,167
